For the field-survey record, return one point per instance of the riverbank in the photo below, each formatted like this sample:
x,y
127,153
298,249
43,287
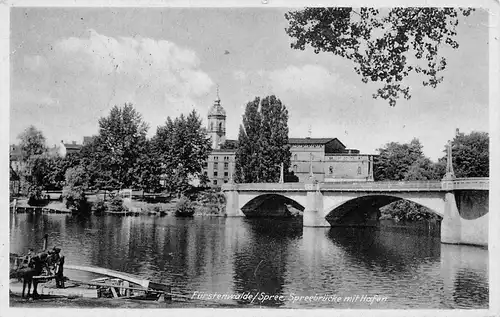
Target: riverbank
x,y
204,204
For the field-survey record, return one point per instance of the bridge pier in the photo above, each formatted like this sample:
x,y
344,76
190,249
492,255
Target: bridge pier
x,y
233,203
451,225
313,213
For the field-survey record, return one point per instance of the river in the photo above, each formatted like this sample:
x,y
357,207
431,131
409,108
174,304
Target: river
x,y
401,267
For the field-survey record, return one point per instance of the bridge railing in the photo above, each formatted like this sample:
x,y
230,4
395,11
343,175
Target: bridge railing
x,y
265,186
479,183
472,183
385,185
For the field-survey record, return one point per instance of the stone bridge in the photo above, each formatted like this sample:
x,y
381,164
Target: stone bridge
x,y
461,202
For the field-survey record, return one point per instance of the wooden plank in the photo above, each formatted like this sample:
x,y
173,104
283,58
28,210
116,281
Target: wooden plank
x,y
124,276
113,285
113,290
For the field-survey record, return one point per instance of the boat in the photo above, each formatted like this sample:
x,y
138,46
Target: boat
x,y
110,283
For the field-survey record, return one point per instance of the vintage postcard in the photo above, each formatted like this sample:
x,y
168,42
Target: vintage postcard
x,y
257,158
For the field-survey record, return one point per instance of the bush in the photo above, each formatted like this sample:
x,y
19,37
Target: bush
x,y
116,204
99,206
184,207
405,210
76,182
34,194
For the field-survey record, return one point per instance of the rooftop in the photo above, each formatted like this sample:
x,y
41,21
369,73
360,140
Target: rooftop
x,y
310,140
217,110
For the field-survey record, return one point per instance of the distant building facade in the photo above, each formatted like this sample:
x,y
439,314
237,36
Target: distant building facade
x,y
329,158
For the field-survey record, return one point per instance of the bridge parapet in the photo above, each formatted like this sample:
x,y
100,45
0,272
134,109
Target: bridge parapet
x,y
474,183
264,187
477,183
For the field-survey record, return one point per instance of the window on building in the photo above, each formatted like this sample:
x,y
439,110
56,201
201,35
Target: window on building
x,y
211,126
216,165
359,170
295,157
215,174
330,169
226,158
226,174
205,173
225,181
226,165
220,126
295,168
215,182
216,158
205,164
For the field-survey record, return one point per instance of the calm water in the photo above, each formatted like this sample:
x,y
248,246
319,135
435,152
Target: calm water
x,y
409,268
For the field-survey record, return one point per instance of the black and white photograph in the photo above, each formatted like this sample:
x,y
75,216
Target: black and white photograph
x,y
263,157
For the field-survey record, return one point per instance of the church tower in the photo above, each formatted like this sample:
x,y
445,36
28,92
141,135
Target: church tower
x,y
217,124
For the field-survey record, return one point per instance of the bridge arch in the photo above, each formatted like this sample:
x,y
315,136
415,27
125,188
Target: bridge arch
x,y
366,207
272,205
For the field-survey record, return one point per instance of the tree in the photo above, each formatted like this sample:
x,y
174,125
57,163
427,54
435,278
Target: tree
x,y
470,153
402,162
76,184
36,164
32,143
385,45
149,170
263,141
57,167
117,149
405,162
182,147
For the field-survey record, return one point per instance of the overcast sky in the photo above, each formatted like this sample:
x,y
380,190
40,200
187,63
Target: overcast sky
x,y
70,66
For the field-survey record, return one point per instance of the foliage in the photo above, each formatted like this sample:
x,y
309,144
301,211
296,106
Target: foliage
x,y
116,152
470,154
34,194
212,201
147,172
406,210
99,206
74,189
184,207
403,162
32,143
262,142
290,177
384,45
57,167
182,147
116,204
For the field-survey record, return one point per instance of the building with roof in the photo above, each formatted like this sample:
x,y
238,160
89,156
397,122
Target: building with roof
x,y
328,158
67,148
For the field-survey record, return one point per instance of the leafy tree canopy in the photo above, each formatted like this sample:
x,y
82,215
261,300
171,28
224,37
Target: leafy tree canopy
x,y
403,162
470,153
182,147
385,45
32,142
263,141
117,149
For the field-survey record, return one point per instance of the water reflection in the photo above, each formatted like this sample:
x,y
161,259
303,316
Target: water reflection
x,y
260,266
275,256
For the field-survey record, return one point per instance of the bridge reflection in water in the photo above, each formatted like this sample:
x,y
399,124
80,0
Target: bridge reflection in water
x,y
408,266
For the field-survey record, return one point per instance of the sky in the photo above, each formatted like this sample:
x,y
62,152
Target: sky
x,y
70,66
